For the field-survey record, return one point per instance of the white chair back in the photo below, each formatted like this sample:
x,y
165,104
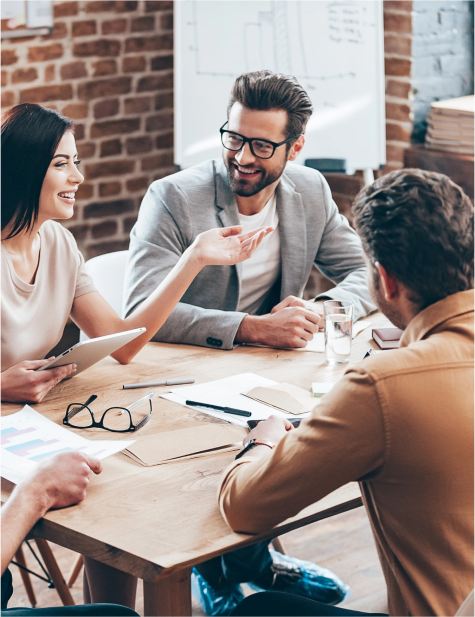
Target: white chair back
x,y
108,273
467,608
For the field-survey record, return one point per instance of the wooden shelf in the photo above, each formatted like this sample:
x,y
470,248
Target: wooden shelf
x,y
459,167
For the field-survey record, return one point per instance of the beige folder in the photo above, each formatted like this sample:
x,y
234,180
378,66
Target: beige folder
x,y
185,443
285,397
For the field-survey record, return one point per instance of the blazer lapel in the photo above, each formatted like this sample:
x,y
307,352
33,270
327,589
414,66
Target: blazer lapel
x,y
225,203
293,238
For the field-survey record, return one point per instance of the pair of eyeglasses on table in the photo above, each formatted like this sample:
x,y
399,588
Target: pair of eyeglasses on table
x,y
115,419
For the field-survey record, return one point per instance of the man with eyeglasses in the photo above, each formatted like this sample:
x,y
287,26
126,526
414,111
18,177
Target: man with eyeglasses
x,y
258,301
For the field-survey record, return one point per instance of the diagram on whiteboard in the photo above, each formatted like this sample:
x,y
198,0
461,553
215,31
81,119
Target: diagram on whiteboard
x,y
332,48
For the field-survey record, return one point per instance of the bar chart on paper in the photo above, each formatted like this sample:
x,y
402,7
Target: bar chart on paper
x,y
33,448
27,438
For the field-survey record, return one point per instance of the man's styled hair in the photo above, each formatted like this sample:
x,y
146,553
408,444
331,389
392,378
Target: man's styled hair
x,y
419,226
265,90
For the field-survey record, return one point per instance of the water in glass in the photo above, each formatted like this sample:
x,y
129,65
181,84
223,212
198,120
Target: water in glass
x,y
338,330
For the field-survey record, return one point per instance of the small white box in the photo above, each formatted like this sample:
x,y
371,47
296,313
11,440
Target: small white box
x,y
321,388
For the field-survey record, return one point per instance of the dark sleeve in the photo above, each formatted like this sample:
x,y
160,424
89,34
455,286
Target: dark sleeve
x,y
7,588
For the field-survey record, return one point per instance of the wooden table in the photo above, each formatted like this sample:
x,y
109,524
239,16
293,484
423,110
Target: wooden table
x,y
157,522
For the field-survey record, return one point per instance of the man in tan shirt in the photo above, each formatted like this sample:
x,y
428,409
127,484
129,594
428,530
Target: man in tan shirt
x,y
400,423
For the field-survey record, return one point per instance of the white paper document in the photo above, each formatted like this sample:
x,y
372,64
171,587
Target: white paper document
x,y
227,392
27,438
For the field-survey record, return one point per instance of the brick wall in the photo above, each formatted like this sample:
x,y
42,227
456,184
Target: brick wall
x,y
109,66
398,68
442,47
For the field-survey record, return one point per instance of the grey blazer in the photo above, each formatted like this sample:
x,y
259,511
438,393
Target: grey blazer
x,y
179,207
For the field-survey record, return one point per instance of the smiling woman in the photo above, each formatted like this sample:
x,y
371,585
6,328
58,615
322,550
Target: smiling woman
x,y
44,280
30,138
43,276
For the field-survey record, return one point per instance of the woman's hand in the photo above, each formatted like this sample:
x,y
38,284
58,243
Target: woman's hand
x,y
227,246
22,383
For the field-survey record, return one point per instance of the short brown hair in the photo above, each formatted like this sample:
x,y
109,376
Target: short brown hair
x,y
265,90
419,226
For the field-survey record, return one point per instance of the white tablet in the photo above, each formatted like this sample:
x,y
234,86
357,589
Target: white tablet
x,y
89,352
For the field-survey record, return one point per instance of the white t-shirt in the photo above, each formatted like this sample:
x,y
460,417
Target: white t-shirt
x,y
260,272
34,315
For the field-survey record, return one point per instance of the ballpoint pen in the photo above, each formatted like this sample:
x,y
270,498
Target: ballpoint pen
x,y
237,412
153,384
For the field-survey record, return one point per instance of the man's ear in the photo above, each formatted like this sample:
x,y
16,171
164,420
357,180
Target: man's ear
x,y
296,148
389,284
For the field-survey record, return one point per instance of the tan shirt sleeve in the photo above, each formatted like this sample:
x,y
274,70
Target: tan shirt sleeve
x,y
343,440
84,283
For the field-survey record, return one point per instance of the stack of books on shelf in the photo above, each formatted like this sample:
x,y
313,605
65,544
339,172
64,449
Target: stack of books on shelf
x,y
450,125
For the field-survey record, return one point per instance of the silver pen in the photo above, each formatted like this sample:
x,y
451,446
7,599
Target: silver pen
x,y
153,384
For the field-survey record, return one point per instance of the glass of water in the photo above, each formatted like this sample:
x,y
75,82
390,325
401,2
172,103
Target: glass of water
x,y
338,317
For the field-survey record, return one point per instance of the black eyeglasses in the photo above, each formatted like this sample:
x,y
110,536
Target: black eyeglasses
x,y
115,419
262,148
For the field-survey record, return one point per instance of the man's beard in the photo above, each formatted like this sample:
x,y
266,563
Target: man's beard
x,y
244,188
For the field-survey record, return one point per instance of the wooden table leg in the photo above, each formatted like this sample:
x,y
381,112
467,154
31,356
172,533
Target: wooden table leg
x,y
278,546
55,573
75,570
169,596
25,576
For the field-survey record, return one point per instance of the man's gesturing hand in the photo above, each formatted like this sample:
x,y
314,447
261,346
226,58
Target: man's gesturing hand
x,y
227,246
61,480
288,327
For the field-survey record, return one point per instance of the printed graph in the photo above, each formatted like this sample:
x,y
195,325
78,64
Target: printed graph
x,y
20,442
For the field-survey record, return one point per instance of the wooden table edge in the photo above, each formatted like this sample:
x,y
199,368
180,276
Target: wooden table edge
x,y
151,572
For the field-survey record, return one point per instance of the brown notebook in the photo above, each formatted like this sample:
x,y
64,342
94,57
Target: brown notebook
x,y
387,338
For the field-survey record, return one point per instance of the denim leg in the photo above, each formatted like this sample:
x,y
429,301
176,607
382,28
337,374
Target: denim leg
x,y
240,566
248,563
272,603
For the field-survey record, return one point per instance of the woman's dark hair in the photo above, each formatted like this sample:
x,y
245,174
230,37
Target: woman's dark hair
x,y
30,137
419,226
265,90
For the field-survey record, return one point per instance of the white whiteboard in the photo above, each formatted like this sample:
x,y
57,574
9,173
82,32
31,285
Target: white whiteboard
x,y
335,49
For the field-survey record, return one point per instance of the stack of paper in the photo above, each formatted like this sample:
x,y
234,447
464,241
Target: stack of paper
x,y
230,392
185,443
450,125
28,438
